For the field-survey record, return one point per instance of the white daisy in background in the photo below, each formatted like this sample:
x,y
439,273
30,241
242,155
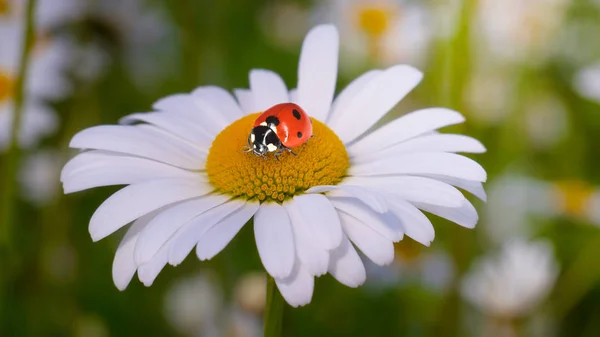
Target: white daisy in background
x,y
137,28
514,282
491,92
587,82
196,306
519,31
515,201
431,270
546,119
49,14
39,175
385,32
192,185
45,81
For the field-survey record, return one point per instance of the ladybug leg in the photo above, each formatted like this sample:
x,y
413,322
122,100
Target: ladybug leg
x,y
247,148
290,151
278,153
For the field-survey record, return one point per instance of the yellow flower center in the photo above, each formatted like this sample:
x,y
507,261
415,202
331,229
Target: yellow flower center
x,y
322,160
374,20
6,86
574,197
409,251
4,7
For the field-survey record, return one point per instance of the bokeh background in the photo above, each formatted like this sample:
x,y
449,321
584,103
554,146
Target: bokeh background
x,y
525,73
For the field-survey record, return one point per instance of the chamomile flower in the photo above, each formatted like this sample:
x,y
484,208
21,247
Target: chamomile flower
x,y
191,185
383,31
45,80
519,31
514,282
587,82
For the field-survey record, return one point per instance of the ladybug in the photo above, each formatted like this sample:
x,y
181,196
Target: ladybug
x,y
282,127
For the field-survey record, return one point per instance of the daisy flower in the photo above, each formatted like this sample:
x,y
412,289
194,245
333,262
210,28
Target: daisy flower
x,y
517,202
197,306
512,283
45,80
383,31
519,31
587,82
192,185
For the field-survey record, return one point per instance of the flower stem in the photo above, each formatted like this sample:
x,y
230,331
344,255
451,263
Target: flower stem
x,y
273,310
12,158
8,258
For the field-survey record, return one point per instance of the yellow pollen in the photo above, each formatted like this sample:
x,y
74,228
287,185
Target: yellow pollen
x,y
6,86
574,197
374,20
322,160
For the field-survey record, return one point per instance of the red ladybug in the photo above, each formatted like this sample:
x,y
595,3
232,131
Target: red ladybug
x,y
282,127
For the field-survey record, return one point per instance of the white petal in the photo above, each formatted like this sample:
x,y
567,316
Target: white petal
x,y
246,100
473,187
297,289
373,200
385,224
465,216
221,100
308,249
124,266
442,143
168,222
188,236
215,240
343,100
139,142
178,125
403,128
100,168
148,271
195,108
175,102
428,143
376,99
137,200
317,71
444,164
268,89
318,213
413,189
415,223
274,239
376,247
346,266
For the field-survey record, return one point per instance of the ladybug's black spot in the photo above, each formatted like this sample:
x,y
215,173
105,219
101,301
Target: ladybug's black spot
x,y
296,114
299,134
272,120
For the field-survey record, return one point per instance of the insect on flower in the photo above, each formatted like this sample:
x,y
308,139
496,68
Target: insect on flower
x,y
281,127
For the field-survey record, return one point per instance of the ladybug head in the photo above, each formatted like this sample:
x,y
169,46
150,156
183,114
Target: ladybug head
x,y
263,139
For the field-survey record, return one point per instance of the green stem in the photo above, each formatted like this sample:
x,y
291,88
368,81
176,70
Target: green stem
x,y
273,310
9,182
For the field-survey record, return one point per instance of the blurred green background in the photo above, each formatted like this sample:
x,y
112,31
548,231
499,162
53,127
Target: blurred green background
x,y
525,73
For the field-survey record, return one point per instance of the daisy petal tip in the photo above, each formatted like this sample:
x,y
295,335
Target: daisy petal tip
x,y
120,284
327,28
408,71
121,279
95,235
